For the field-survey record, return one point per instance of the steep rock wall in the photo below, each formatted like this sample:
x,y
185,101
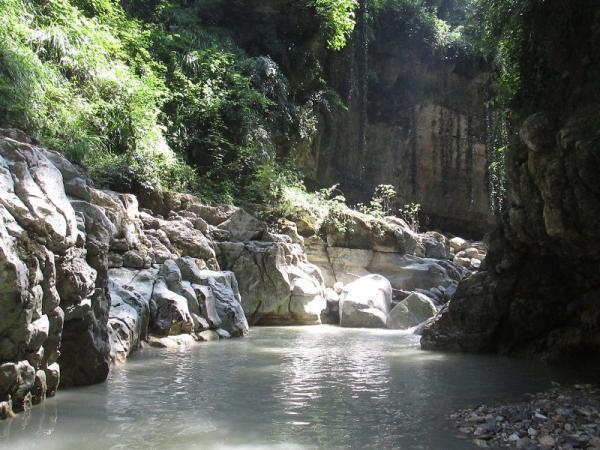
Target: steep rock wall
x,y
540,288
412,116
420,126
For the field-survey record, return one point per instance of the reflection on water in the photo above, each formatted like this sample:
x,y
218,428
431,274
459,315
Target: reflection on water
x,y
294,387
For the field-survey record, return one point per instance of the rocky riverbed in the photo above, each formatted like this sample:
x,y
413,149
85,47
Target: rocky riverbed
x,y
88,275
564,418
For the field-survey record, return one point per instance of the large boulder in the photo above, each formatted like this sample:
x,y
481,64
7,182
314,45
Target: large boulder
x,y
276,282
435,245
361,231
409,272
365,303
412,311
242,226
186,239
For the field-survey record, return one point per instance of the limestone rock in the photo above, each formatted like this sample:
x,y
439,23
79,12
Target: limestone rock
x,y
365,303
33,193
225,296
276,282
242,226
458,244
412,311
369,233
206,301
130,291
172,316
187,240
408,272
436,245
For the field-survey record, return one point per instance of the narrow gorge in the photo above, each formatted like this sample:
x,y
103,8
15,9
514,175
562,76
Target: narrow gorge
x,y
299,224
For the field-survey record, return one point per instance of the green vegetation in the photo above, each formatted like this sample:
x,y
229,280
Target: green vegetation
x,y
148,95
160,93
79,77
339,20
496,31
437,23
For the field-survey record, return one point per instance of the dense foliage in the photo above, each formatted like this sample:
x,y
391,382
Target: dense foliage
x,y
171,94
79,77
437,23
148,95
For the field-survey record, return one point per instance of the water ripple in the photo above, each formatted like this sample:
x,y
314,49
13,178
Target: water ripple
x,y
296,387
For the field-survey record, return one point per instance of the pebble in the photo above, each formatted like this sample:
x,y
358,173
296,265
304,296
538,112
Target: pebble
x,y
563,418
547,441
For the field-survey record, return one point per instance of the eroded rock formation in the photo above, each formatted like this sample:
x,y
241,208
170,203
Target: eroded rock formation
x,y
86,275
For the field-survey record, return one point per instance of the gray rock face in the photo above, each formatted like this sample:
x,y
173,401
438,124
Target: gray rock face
x,y
370,233
64,315
365,303
220,300
411,261
412,311
428,140
51,279
276,282
206,301
243,226
130,292
172,315
409,272
538,291
436,245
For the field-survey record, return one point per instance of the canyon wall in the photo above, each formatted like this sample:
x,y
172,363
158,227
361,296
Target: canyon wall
x,y
540,288
419,126
392,108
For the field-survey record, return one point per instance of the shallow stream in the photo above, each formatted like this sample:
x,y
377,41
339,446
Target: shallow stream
x,y
282,387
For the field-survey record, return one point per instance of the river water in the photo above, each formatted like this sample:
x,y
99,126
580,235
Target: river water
x,y
282,387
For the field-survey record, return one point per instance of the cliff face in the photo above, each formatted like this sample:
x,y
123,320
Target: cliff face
x,y
420,126
409,114
540,288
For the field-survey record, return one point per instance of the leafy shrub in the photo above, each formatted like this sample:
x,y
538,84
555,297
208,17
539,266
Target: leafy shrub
x,y
338,18
78,76
410,213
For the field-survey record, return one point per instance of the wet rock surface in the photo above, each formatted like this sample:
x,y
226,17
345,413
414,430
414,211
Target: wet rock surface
x,y
564,418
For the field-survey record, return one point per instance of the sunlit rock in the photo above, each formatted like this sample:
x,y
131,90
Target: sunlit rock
x,y
412,311
365,303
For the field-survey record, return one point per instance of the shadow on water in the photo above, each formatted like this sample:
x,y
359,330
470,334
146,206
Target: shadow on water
x,y
283,387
